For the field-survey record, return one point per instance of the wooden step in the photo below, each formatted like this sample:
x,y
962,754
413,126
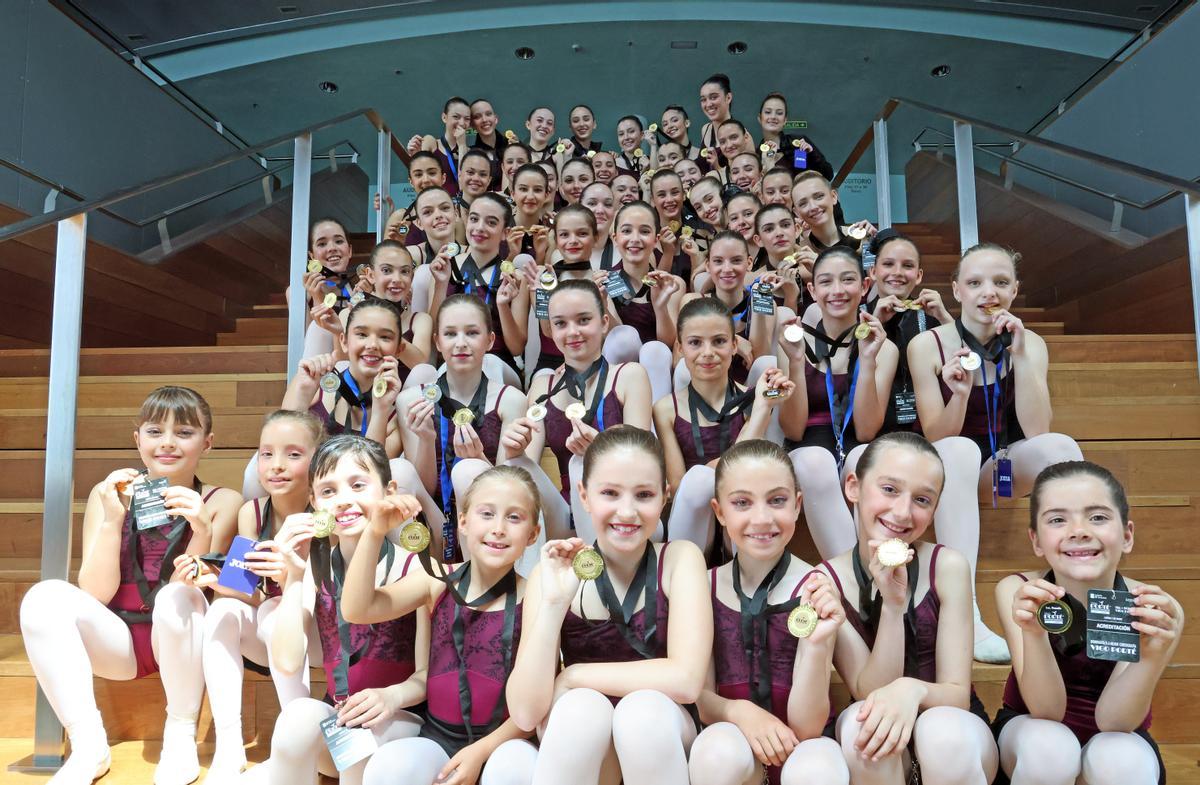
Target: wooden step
x,y
170,360
223,390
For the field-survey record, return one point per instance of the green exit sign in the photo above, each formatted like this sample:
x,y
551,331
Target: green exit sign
x,y
795,124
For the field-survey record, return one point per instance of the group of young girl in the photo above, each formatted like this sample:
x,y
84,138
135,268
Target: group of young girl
x,y
530,500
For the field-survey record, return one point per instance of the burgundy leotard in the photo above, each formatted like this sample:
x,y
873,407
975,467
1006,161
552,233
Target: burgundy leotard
x,y
489,430
332,426
639,316
975,421
710,436
818,432
558,428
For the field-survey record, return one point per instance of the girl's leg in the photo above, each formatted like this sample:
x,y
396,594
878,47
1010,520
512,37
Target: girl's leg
x,y
288,687
1119,759
652,735
582,519
681,377
1029,457
656,358
317,340
1039,752
230,632
464,473
556,515
413,761
956,524
298,751
510,764
955,747
251,487
498,370
69,636
816,761
622,345
423,373
829,518
178,638
722,756
863,771
578,736
691,514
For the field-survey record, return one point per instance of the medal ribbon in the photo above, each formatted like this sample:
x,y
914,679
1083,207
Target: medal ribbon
x,y
736,402
755,627
450,159
174,541
447,406
349,392
645,583
576,382
994,352
870,605
348,657
471,277
460,580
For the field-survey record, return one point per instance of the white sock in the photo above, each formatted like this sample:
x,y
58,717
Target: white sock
x,y
178,763
89,756
229,758
989,647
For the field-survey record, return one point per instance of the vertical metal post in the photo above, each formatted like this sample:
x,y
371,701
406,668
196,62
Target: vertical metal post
x,y
1192,206
883,178
298,261
964,164
60,446
385,181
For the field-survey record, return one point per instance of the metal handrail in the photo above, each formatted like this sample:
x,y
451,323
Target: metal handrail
x,y
36,222
1179,185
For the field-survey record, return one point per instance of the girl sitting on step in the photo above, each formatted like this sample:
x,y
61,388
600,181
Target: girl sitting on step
x,y
1068,717
135,610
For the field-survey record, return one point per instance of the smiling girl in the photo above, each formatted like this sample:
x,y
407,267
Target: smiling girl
x,y
133,613
599,198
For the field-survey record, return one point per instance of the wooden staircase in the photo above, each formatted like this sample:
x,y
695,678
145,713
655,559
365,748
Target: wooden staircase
x,y
1132,401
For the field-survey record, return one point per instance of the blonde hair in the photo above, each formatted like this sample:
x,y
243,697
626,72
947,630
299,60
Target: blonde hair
x,y
510,474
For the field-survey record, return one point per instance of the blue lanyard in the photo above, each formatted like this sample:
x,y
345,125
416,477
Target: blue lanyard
x,y
450,159
600,411
349,381
991,403
449,538
839,433
469,285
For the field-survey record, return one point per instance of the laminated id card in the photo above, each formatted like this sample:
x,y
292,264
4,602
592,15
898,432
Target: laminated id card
x,y
347,746
235,572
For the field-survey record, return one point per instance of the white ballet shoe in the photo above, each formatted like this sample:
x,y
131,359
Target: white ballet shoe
x,y
989,647
226,769
178,764
81,768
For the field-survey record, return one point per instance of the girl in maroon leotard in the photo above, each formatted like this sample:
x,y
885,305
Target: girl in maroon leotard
x,y
1068,717
635,641
239,626
375,672
767,700
905,654
476,625
137,608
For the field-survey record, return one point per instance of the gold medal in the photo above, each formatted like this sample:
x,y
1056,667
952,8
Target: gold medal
x,y
510,135
704,153
576,411
686,231
862,330
970,362
1054,616
547,279
357,298
653,127
330,382
857,232
330,299
795,143
591,153
764,147
323,523
463,417
560,148
414,537
361,270
992,310
587,564
314,266
793,333
452,249
648,280
675,226
381,387
802,621
507,267
402,229
649,174
789,259
537,412
892,553
125,487
432,392
637,152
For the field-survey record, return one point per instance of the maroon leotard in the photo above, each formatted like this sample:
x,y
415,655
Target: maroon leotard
x,y
710,436
975,421
558,428
489,432
332,426
818,431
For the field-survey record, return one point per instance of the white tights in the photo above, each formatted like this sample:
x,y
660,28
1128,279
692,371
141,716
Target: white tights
x,y
417,761
825,508
954,746
1044,752
649,733
624,345
232,630
722,756
1029,457
71,637
298,751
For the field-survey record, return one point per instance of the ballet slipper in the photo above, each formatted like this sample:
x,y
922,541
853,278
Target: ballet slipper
x,y
178,764
989,647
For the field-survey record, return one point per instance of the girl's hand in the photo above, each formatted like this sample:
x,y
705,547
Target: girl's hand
x,y
1157,618
419,418
110,497
1005,322
958,379
931,302
805,258
771,740
885,308
326,318
267,561
467,443
692,249
665,285
582,436
464,767
887,716
669,242
541,243
515,239
744,349
439,268
191,571
507,291
868,348
867,225
773,379
818,592
389,371
186,503
559,581
312,369
368,708
314,284
804,145
600,278
892,582
517,436
1030,596
294,541
414,144
392,511
793,351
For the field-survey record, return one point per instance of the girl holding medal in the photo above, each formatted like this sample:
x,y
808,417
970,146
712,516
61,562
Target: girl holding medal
x,y
741,212
1069,717
783,147
239,626
775,620
436,216
630,134
711,395
604,166
135,610
905,653
776,233
642,302
567,409
574,237
633,666
515,156
328,272
674,125
459,416
476,624
843,368
374,672
583,125
666,194
716,102
815,202
531,191
540,124
745,171
599,198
